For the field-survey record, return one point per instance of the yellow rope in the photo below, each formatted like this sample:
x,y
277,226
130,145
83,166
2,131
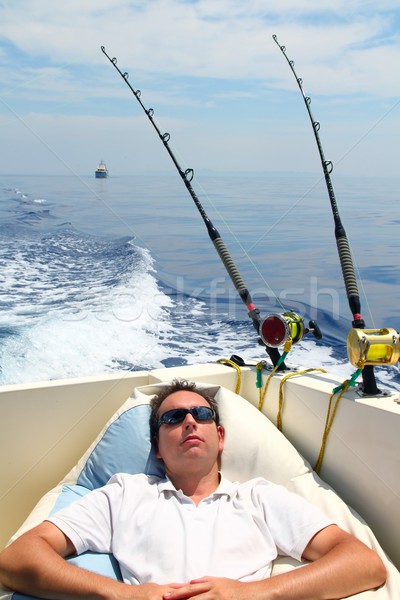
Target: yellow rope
x,y
231,363
330,417
280,407
331,413
328,424
262,394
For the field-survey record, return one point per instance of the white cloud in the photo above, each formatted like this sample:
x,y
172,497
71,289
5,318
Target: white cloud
x,y
219,38
211,67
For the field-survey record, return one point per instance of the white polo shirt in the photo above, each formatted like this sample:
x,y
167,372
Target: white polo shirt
x,y
157,534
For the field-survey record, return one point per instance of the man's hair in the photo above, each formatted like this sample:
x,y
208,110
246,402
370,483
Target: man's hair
x,y
177,385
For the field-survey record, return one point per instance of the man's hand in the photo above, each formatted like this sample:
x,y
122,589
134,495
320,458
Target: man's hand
x,y
207,588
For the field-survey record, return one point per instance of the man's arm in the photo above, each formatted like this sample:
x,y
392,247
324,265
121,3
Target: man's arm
x,y
34,565
342,566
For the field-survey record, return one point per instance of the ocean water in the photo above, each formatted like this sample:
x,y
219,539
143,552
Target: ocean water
x,y
119,274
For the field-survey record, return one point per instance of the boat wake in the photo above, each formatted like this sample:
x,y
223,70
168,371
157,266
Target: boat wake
x,y
75,305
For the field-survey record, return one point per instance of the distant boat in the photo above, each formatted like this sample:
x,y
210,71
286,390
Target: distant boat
x,y
101,171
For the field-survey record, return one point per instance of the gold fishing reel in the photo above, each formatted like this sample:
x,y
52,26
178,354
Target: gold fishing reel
x,y
276,329
373,347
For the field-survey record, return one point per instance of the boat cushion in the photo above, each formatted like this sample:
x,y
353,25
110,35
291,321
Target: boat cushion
x,y
253,447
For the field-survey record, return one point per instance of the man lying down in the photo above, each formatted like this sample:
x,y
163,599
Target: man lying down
x,y
192,534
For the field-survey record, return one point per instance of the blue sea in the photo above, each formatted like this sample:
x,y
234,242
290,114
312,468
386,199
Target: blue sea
x,y
119,274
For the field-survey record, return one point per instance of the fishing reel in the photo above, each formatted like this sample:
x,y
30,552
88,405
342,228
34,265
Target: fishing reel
x,y
276,329
373,347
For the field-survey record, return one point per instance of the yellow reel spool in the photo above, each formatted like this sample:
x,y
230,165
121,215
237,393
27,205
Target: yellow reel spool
x,y
373,347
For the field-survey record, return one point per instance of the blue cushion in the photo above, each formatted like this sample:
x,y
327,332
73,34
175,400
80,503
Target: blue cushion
x,y
124,448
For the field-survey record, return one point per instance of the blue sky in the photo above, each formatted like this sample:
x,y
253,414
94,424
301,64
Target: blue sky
x,y
217,82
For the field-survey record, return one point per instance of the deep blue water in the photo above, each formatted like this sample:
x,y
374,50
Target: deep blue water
x,y
100,275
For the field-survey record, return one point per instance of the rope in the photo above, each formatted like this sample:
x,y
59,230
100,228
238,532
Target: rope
x,y
280,408
231,363
262,394
330,415
259,366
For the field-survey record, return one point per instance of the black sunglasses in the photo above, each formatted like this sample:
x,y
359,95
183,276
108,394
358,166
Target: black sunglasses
x,y
201,414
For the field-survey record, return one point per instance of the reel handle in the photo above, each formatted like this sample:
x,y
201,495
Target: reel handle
x,y
314,328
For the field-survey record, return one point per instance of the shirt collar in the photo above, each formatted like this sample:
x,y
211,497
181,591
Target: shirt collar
x,y
225,487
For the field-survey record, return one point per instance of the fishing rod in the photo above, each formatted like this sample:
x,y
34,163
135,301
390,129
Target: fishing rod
x,y
369,386
274,329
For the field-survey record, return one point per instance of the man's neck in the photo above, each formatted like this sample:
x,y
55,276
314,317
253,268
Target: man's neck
x,y
196,487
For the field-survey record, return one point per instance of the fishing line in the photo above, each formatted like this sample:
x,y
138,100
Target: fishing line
x,y
288,211
366,134
245,252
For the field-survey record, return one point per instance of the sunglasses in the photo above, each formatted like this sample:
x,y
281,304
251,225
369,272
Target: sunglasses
x,y
201,414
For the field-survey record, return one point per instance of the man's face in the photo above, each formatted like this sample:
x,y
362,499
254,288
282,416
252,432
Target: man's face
x,y
188,445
